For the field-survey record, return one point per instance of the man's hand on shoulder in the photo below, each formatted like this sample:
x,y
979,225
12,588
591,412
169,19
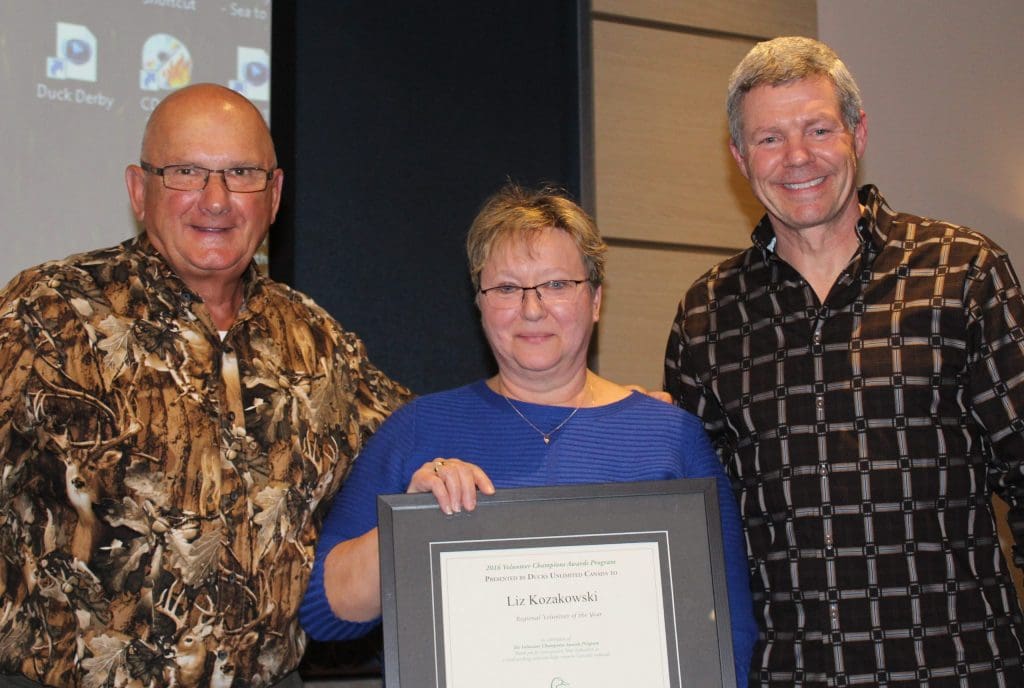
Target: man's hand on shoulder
x,y
658,394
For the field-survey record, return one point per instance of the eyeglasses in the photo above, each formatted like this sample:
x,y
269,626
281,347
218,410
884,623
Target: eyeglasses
x,y
550,292
195,178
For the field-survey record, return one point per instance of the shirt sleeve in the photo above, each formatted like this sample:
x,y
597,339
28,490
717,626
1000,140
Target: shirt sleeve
x,y
16,366
377,395
995,381
683,379
369,398
379,469
703,462
44,357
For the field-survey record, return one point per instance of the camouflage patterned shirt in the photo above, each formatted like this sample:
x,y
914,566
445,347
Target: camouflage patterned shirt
x,y
161,489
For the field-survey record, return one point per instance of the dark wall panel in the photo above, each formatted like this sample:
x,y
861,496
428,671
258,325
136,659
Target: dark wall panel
x,y
394,121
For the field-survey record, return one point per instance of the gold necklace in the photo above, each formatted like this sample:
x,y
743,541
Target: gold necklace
x,y
546,436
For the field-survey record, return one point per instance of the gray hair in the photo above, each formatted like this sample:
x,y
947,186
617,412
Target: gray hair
x,y
782,61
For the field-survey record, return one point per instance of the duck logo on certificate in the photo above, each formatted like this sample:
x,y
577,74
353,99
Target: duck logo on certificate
x,y
558,682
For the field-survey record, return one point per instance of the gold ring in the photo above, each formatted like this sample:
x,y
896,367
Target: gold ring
x,y
438,465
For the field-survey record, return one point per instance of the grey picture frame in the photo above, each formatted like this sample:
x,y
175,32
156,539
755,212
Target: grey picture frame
x,y
681,516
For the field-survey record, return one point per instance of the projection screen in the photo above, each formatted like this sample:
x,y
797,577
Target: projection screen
x,y
77,81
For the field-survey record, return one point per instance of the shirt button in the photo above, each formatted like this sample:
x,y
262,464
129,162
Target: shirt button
x,y
823,469
817,337
819,402
833,611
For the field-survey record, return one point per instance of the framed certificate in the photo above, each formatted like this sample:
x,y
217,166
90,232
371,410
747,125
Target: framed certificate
x,y
557,587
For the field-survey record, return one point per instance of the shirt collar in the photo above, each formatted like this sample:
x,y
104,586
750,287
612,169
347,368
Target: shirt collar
x,y
159,269
876,219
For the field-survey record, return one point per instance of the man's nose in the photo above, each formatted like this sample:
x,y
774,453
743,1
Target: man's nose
x,y
797,152
215,197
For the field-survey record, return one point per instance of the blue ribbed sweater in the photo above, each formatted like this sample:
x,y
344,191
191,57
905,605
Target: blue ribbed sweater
x,y
635,439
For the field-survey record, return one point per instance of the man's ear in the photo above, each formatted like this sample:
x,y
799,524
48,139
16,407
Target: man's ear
x,y
276,184
741,161
860,135
135,180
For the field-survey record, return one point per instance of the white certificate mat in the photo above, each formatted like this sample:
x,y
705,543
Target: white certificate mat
x,y
587,615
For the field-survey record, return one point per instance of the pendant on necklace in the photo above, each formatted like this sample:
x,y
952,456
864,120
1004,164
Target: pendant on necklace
x,y
546,436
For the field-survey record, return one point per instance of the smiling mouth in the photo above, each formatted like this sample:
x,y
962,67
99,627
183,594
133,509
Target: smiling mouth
x,y
805,185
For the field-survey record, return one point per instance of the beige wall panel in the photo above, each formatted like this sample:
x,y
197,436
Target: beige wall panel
x,y
764,18
642,291
663,171
1000,510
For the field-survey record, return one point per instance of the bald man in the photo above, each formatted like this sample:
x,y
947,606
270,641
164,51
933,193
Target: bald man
x,y
171,425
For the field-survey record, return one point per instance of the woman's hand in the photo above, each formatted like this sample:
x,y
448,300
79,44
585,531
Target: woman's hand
x,y
453,482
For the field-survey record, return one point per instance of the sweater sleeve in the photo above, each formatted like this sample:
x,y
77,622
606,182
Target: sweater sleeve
x,y
703,462
379,469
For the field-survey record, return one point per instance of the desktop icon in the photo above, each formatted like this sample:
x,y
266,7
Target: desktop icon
x,y
253,77
166,64
76,54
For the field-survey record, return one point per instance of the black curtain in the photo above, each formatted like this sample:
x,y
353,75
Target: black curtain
x,y
393,122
